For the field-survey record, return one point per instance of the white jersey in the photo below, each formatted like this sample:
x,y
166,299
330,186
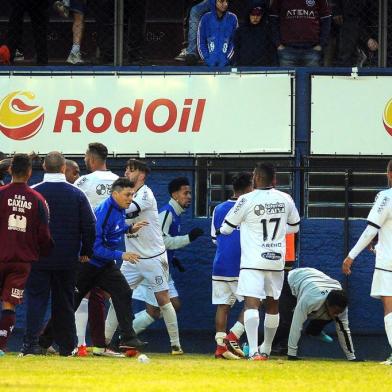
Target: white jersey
x,y
148,241
380,216
97,185
263,216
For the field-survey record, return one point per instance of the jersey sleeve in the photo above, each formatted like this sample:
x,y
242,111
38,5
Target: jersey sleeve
x,y
344,335
82,183
235,216
379,212
293,218
141,201
299,317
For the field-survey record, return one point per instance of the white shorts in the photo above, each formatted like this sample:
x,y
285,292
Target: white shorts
x,y
260,284
144,293
381,284
154,270
224,291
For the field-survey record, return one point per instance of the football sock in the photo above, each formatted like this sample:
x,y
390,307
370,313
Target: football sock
x,y
219,338
271,324
238,329
7,324
75,48
81,319
111,323
170,318
251,321
142,321
388,327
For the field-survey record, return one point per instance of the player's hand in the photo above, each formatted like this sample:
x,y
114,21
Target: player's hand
x,y
346,266
84,259
137,226
196,232
177,264
293,358
133,258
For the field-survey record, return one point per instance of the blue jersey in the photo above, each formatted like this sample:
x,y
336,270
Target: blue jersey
x,y
228,253
175,225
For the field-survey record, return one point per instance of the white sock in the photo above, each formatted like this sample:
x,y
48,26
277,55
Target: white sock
x,y
81,320
251,321
238,329
75,48
388,327
271,324
170,318
111,323
142,321
219,338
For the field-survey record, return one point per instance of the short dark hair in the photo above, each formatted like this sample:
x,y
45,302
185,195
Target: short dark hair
x,y
54,162
242,181
4,166
20,165
266,172
176,184
99,150
337,298
121,183
135,164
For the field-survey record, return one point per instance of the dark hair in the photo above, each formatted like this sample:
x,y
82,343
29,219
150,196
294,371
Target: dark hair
x,y
242,181
121,183
99,150
176,184
266,172
4,166
20,165
53,162
138,165
71,163
337,298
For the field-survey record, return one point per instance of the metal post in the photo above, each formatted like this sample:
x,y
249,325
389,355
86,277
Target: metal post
x,y
118,32
383,33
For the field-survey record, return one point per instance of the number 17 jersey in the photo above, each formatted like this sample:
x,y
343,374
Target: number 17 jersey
x,y
263,216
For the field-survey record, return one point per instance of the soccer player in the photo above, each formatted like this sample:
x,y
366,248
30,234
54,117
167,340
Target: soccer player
x,y
320,298
72,171
379,223
24,219
170,220
266,215
225,273
152,265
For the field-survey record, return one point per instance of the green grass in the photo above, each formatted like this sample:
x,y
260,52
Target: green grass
x,y
189,373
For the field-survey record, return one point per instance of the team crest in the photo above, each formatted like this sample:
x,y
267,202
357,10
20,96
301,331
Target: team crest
x,y
310,3
158,280
259,210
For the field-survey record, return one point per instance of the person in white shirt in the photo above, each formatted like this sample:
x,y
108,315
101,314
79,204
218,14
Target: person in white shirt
x,y
153,265
379,223
265,216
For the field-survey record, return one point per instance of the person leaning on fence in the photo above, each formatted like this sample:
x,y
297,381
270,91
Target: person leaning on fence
x,y
215,34
251,40
300,30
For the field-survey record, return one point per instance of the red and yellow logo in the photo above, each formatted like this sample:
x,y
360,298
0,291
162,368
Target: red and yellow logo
x,y
18,120
387,117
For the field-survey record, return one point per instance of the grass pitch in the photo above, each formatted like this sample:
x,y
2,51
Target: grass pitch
x,y
189,373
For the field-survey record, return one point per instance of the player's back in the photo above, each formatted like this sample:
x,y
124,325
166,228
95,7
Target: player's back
x,y
97,185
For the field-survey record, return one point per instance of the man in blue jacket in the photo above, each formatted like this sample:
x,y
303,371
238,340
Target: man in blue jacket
x,y
72,225
215,34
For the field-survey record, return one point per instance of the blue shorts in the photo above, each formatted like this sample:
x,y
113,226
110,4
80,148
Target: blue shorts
x,y
78,6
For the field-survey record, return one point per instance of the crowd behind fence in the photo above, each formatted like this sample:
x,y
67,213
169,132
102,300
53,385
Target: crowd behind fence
x,y
179,32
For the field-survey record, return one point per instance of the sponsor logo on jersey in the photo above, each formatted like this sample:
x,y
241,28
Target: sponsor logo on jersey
x,y
17,223
239,205
19,120
383,204
310,3
271,255
3,333
300,14
103,189
259,210
275,208
16,293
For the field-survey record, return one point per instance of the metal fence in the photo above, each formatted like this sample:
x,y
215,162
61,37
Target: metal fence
x,y
154,32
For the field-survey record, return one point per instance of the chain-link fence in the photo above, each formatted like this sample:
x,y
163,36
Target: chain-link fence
x,y
166,32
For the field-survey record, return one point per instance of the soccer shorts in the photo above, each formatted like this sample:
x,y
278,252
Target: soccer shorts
x,y
144,293
224,291
260,284
154,270
381,284
13,278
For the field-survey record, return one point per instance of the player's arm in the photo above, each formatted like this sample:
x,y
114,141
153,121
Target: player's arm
x,y
299,317
176,242
142,201
234,217
344,335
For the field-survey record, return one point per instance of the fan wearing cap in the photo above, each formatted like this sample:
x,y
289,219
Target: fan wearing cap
x,y
251,40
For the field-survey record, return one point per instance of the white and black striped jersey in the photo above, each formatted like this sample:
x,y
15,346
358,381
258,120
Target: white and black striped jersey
x,y
263,216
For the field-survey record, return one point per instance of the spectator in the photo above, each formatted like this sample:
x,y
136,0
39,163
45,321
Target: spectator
x,y
73,229
24,219
300,30
72,171
38,12
78,9
251,40
215,34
